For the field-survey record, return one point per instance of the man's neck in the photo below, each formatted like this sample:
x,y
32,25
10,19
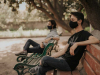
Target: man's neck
x,y
79,28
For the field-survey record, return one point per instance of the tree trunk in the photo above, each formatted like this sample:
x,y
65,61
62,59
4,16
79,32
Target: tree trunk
x,y
93,12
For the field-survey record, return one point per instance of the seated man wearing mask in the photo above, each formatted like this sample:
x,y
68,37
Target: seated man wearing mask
x,y
38,48
68,58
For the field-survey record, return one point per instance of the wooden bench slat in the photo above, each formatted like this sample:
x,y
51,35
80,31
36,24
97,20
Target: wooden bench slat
x,y
34,61
31,58
88,69
94,64
37,61
63,72
94,50
75,72
50,72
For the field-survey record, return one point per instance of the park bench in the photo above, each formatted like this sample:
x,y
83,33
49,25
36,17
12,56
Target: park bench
x,y
25,65
90,62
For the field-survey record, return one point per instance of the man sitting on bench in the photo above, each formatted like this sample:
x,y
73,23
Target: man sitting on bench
x,y
38,48
68,58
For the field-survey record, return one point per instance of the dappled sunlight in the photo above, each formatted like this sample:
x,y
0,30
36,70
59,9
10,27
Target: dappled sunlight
x,y
8,43
8,47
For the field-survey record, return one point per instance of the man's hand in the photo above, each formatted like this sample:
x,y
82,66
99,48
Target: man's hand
x,y
41,45
74,46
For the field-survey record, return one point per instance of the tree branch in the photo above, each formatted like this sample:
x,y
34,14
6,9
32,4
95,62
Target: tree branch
x,y
52,10
55,3
60,9
44,6
40,2
85,24
61,3
84,2
42,9
80,8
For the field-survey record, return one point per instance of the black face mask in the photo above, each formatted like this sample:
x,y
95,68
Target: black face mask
x,y
49,27
73,24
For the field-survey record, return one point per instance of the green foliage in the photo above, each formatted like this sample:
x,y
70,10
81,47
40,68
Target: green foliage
x,y
66,7
84,12
7,16
88,29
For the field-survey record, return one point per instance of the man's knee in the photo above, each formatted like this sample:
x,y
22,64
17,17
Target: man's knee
x,y
44,60
29,40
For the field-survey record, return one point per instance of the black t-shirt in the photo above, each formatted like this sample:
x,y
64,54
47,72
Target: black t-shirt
x,y
77,37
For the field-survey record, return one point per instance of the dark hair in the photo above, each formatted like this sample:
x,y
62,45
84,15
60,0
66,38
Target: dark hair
x,y
78,15
53,23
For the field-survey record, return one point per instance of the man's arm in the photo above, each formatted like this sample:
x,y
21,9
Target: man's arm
x,y
54,38
46,41
92,40
62,52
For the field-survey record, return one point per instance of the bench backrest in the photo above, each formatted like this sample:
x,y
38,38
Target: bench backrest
x,y
92,60
50,46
